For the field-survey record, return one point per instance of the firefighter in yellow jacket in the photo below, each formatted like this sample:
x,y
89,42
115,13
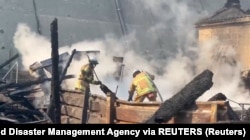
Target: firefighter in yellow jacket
x,y
86,76
143,85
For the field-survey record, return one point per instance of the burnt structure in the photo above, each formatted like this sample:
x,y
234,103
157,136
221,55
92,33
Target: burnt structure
x,y
183,98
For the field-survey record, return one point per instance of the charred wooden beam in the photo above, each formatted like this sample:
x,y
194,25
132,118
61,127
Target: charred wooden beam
x,y
25,102
24,84
8,104
85,106
9,85
29,83
231,113
106,90
186,96
218,97
2,82
26,116
20,111
18,101
8,61
67,65
54,110
22,93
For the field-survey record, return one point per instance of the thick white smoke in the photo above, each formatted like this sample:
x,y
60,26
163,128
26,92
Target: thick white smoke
x,y
187,60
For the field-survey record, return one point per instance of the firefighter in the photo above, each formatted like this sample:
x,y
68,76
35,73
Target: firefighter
x,y
86,76
144,87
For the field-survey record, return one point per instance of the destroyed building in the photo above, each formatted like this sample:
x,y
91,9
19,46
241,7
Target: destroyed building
x,y
223,24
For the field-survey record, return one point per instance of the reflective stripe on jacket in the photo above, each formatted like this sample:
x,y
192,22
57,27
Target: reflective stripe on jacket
x,y
143,84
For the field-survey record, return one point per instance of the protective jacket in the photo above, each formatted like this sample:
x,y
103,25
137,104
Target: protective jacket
x,y
142,84
85,78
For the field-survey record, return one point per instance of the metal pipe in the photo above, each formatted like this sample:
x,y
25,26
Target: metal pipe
x,y
4,77
8,61
120,78
67,65
37,19
120,17
159,94
17,72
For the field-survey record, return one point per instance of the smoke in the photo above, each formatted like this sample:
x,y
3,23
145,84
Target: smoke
x,y
175,62
31,46
227,70
177,18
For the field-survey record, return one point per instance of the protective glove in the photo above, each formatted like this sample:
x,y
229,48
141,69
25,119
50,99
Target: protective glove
x,y
130,98
99,83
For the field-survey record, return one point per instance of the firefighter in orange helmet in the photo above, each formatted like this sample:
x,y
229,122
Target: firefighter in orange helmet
x,y
143,85
86,76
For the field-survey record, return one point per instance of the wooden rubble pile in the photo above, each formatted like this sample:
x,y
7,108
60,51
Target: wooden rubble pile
x,y
16,105
16,101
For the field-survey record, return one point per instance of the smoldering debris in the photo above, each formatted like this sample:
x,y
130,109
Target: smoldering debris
x,y
19,109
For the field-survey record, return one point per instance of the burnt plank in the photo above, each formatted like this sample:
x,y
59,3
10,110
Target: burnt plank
x,y
230,112
183,98
54,109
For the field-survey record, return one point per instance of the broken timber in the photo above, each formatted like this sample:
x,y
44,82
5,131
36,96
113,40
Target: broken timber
x,y
28,83
186,96
54,109
231,113
101,109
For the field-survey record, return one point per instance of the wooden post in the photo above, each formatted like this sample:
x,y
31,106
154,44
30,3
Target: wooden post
x,y
85,106
67,65
110,113
214,112
54,109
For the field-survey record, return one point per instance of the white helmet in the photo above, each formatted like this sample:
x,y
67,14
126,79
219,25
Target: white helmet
x,y
135,72
93,61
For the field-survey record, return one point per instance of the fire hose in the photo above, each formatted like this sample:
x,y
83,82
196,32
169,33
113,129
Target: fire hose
x,y
158,92
120,78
